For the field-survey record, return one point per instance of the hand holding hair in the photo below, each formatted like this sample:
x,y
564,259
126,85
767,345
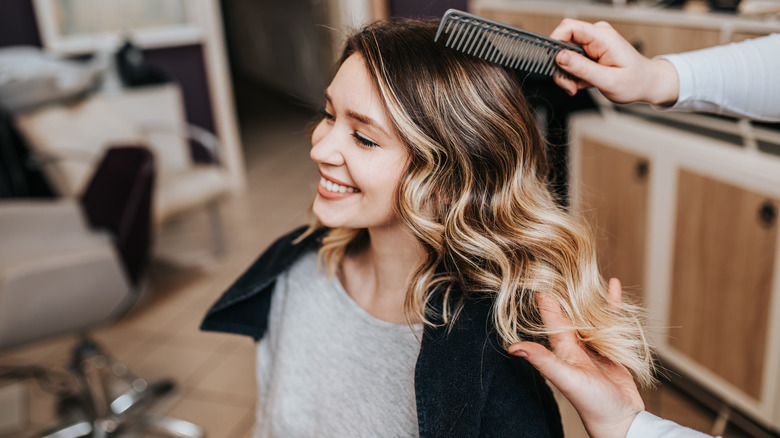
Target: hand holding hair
x,y
619,71
603,392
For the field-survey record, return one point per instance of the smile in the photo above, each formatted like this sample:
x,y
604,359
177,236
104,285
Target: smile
x,y
336,188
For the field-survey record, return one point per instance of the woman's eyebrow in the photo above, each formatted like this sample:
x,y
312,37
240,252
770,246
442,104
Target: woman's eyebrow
x,y
362,118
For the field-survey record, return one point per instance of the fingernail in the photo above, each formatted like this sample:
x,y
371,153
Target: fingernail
x,y
518,352
563,58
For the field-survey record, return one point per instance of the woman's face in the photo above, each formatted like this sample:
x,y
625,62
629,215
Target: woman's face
x,y
360,156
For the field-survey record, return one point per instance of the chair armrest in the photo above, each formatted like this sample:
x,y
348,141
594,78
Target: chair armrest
x,y
207,139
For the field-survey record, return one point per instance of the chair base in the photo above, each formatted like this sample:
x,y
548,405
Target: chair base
x,y
108,401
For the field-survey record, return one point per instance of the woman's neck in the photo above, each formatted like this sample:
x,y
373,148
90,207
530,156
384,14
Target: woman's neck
x,y
376,277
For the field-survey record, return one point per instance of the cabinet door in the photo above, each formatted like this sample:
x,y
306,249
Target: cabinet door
x,y
653,40
722,277
741,36
613,196
542,24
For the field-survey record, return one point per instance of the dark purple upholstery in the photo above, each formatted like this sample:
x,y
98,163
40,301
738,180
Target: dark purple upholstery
x,y
119,199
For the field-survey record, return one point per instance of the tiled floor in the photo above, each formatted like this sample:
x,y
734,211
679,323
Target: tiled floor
x,y
160,337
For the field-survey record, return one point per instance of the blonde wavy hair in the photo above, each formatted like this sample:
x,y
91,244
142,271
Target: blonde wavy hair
x,y
475,196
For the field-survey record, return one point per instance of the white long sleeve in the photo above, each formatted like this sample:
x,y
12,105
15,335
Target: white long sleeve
x,y
647,425
739,79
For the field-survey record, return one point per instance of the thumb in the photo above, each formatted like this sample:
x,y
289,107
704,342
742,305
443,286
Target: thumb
x,y
556,370
581,67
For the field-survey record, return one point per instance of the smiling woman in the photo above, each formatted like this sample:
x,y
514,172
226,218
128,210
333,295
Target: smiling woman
x,y
361,163
438,234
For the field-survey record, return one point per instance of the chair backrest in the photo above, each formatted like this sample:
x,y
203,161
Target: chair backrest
x,y
119,199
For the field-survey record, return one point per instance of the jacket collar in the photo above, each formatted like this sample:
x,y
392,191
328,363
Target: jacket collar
x,y
255,286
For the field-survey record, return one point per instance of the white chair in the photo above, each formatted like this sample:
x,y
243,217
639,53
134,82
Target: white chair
x,y
71,264
68,139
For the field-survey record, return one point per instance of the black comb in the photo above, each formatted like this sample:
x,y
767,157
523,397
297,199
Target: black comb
x,y
501,44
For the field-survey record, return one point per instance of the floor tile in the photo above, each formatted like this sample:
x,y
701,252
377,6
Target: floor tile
x,y
219,419
232,374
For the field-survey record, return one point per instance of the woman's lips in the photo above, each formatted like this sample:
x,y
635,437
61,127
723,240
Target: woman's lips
x,y
334,189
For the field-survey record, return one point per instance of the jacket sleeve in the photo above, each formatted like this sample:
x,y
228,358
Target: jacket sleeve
x,y
519,403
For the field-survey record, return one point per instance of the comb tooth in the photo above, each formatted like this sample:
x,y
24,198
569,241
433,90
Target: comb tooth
x,y
548,62
452,33
551,62
530,58
499,47
443,27
485,42
506,50
511,50
460,36
501,50
516,51
540,59
494,38
509,56
523,58
475,41
524,45
522,53
483,38
494,49
548,65
467,35
490,43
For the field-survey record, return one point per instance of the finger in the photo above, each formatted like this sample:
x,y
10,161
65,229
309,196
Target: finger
x,y
556,370
578,32
568,85
552,316
565,29
582,67
563,339
615,291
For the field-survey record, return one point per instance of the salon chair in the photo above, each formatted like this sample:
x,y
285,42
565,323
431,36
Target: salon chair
x,y
67,139
68,265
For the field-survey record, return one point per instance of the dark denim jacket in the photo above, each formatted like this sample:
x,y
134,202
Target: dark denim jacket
x,y
466,385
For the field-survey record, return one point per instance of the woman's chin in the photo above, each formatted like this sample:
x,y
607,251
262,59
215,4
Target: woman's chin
x,y
321,213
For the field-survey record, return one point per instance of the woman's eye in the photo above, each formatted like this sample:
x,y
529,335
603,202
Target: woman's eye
x,y
364,141
326,114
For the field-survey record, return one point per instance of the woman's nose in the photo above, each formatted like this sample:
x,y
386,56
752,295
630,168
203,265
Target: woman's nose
x,y
326,147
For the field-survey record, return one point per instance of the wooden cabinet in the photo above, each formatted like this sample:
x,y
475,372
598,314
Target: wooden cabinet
x,y
541,23
659,39
614,197
724,255
692,221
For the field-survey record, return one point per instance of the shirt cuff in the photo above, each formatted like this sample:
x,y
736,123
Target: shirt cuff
x,y
647,425
686,81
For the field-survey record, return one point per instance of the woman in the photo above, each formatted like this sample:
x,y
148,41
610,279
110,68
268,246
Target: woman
x,y
437,232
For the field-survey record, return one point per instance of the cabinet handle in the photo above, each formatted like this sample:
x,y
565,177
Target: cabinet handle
x,y
767,214
642,170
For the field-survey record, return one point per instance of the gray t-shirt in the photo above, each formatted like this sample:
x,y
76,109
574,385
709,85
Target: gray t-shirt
x,y
327,368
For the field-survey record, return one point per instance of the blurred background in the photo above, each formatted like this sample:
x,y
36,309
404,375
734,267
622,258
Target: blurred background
x,y
151,149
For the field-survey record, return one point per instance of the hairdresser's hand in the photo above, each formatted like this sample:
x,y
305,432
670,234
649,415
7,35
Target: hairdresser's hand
x,y
621,73
603,392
